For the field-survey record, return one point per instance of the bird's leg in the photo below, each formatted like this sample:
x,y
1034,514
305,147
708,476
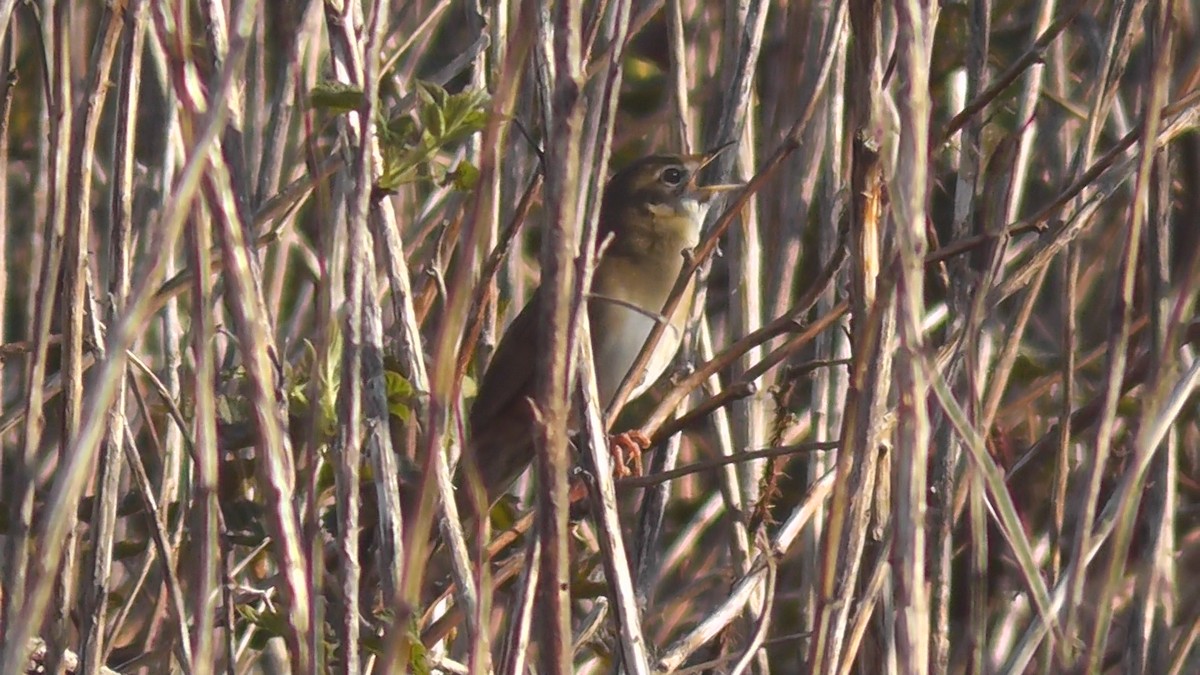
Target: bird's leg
x,y
626,449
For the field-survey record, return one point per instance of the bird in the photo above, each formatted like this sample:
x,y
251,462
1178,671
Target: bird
x,y
651,212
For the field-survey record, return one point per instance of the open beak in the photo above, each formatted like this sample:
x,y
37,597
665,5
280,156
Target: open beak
x,y
714,153
704,193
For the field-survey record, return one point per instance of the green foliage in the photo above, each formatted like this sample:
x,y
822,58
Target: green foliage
x,y
418,659
412,142
336,97
1027,369
400,393
464,177
232,400
325,478
505,513
418,656
469,388
265,624
327,386
443,120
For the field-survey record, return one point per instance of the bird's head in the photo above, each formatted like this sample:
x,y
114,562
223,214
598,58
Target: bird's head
x,y
657,202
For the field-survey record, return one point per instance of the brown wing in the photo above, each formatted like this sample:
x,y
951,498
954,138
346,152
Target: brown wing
x,y
501,441
510,375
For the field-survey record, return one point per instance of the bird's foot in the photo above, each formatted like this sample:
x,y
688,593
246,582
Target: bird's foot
x,y
626,449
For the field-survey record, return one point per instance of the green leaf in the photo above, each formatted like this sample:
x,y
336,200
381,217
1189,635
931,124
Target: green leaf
x,y
399,167
399,395
432,112
410,147
265,625
432,93
469,388
464,177
258,641
336,97
418,659
325,476
272,622
373,644
466,113
399,130
504,514
247,612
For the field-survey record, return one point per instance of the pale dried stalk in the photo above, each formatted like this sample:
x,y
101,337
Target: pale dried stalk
x,y
251,322
908,190
521,619
495,28
104,518
1096,461
1162,29
7,91
207,516
830,384
69,660
59,112
71,479
76,300
968,154
744,250
362,384
623,598
742,425
443,385
1000,501
1155,602
745,588
1150,436
560,31
764,623
871,336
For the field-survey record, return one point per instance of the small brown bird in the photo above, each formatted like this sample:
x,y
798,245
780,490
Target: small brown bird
x,y
652,211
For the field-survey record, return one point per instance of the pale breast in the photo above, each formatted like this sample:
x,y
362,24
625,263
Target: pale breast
x,y
617,343
641,269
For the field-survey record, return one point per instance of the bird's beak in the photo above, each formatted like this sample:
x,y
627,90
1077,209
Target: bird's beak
x,y
705,193
714,153
697,162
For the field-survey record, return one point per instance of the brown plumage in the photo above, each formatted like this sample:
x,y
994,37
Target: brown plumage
x,y
653,211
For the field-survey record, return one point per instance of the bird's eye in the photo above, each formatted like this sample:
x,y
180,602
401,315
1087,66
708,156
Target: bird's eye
x,y
672,176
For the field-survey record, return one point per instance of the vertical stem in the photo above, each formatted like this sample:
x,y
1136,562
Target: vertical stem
x,y
733,119
944,466
59,134
560,245
71,479
872,328
104,517
76,300
206,517
1162,29
909,192
830,385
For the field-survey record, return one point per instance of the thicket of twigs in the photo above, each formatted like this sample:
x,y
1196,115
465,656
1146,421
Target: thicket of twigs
x,y
935,413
